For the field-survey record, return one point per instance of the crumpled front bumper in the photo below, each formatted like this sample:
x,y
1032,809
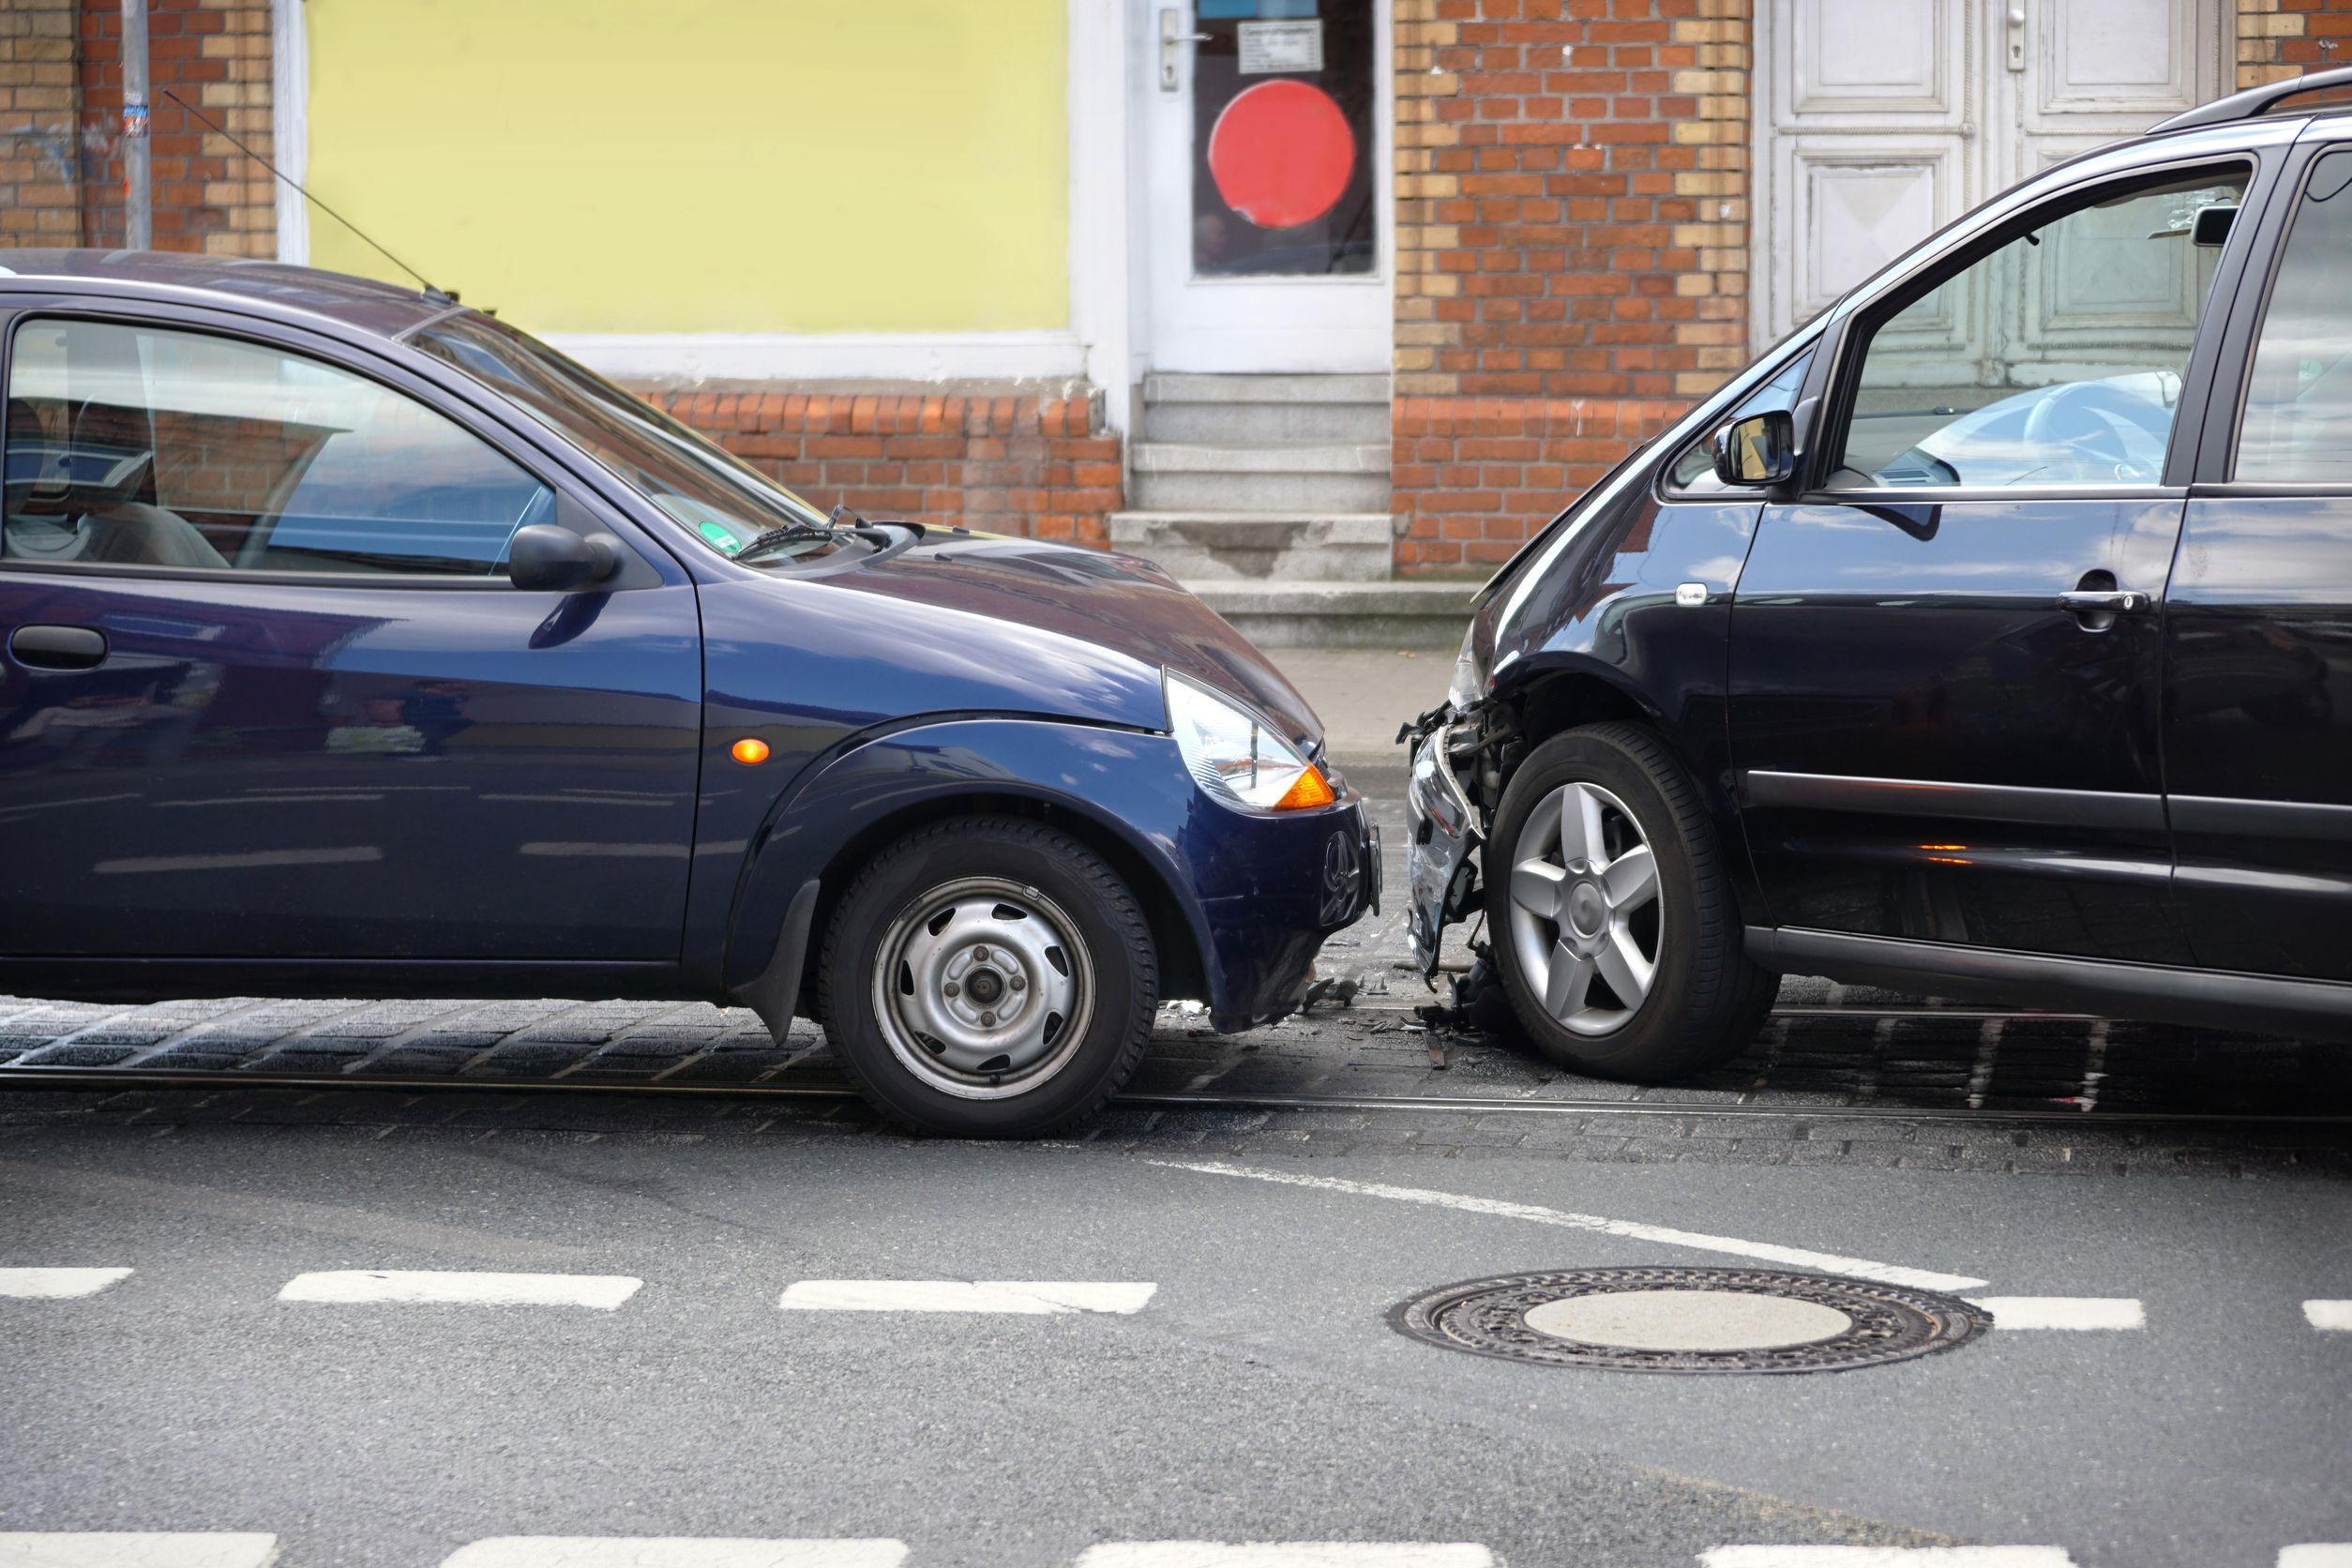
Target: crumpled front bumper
x,y
1440,831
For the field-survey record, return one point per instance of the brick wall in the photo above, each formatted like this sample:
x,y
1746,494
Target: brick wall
x,y
2278,39
1013,463
1572,263
38,199
207,196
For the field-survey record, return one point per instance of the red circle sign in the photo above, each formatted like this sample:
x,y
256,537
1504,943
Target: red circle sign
x,y
1281,153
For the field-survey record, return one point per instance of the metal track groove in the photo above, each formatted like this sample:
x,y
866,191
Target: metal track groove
x,y
151,1077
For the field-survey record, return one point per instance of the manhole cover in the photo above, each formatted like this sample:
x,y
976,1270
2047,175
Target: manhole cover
x,y
1691,1320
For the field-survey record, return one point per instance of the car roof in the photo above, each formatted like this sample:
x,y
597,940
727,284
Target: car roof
x,y
271,288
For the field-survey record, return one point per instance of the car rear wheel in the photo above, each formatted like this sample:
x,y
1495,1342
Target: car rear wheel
x,y
1613,921
989,977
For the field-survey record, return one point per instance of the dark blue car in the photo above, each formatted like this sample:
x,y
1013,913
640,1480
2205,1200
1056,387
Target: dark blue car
x,y
358,644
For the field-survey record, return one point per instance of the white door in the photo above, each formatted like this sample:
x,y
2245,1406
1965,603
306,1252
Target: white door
x,y
1879,121
1266,200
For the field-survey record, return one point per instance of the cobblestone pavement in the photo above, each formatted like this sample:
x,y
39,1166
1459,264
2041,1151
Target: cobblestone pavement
x,y
1840,1075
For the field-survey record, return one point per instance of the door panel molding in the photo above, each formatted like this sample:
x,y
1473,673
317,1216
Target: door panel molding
x,y
1983,803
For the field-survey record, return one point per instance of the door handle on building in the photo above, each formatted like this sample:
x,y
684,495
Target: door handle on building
x,y
1172,38
2016,20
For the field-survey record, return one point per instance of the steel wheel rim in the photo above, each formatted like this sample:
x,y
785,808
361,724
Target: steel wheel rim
x,y
1587,918
983,989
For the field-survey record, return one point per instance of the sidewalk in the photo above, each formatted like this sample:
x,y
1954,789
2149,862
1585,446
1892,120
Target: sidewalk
x,y
1363,695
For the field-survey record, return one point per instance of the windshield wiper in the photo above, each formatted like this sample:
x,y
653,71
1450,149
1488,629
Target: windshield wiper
x,y
791,533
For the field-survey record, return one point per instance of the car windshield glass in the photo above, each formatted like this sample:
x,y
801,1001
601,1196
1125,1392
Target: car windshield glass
x,y
723,501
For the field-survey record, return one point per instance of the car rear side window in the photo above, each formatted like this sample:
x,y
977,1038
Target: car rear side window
x,y
2054,360
2296,428
131,445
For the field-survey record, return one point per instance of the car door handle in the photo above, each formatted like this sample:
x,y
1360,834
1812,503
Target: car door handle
x,y
58,647
2109,601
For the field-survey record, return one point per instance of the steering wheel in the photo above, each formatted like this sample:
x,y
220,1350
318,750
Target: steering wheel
x,y
2071,417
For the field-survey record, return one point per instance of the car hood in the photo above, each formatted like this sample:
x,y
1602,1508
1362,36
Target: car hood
x,y
1061,595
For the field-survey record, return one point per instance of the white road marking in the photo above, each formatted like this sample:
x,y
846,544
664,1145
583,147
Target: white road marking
x,y
652,1551
2064,1312
2335,1316
603,1292
1859,1268
29,1549
52,1285
2317,1554
1887,1557
1283,1554
1038,1296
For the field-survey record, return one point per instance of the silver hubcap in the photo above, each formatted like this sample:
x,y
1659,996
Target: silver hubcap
x,y
1585,919
982,988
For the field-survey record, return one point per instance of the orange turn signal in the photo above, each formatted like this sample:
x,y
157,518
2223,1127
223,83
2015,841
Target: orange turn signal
x,y
750,751
1310,790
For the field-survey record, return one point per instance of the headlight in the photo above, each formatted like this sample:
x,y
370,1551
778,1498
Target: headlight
x,y
1235,757
1470,677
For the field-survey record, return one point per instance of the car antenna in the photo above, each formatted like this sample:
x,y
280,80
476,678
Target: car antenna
x,y
440,295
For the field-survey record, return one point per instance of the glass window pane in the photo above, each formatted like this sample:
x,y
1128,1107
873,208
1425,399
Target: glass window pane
x,y
2055,360
134,447
2298,424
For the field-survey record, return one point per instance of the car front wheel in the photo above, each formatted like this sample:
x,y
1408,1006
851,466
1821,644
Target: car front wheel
x,y
989,977
1613,920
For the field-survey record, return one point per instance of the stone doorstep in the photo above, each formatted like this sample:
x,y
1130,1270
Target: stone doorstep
x,y
1180,386
1326,614
1353,547
1169,457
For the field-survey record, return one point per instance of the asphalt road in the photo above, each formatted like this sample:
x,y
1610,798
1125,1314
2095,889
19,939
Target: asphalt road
x,y
1257,1392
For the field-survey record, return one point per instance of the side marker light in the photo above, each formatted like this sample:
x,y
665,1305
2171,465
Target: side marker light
x,y
750,751
1309,790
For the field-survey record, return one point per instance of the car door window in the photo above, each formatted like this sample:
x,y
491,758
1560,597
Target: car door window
x,y
2296,428
2054,360
131,445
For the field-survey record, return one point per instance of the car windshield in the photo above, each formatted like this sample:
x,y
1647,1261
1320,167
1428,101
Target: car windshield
x,y
722,499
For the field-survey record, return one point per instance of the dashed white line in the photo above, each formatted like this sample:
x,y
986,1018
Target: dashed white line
x,y
2064,1312
2334,1317
603,1292
594,1551
1284,1554
115,1549
1887,1557
54,1285
2317,1554
1859,1268
1034,1296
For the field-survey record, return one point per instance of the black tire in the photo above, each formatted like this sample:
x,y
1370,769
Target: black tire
x,y
1102,915
1706,998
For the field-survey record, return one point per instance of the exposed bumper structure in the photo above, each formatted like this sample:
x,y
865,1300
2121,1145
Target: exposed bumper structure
x,y
1441,829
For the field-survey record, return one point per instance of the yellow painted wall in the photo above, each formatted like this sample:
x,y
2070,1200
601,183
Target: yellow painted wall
x,y
703,165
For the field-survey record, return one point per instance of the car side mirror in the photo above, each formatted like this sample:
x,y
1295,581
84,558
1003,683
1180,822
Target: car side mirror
x,y
1758,450
2211,227
545,558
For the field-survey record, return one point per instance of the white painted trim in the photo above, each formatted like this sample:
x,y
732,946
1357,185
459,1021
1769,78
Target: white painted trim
x,y
56,1285
2064,1312
1101,133
290,125
373,1287
1028,1297
122,1549
691,356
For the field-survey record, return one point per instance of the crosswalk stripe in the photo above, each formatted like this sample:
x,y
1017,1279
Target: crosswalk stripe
x,y
2334,1316
1887,1557
119,1549
2316,1554
592,1552
2064,1312
603,1292
1035,1296
49,1285
1284,1554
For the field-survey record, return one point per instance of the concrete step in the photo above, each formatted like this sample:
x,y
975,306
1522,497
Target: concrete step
x,y
1351,547
1321,477
1242,411
1341,614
